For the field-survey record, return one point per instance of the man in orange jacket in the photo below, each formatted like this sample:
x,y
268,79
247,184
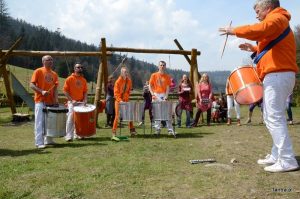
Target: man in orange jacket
x,y
122,89
75,89
277,69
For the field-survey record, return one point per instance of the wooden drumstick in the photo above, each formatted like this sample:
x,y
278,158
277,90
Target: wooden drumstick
x,y
225,41
51,88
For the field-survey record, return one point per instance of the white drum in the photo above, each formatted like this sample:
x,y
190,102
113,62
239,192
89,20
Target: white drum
x,y
55,121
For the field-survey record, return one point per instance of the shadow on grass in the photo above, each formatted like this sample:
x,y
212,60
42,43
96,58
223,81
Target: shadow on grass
x,y
16,153
298,159
77,144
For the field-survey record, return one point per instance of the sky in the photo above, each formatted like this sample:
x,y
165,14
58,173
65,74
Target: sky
x,y
152,24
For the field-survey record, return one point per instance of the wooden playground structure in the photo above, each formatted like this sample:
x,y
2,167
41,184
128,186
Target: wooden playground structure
x,y
103,54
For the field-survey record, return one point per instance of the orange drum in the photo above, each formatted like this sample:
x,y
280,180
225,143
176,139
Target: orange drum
x,y
245,85
84,119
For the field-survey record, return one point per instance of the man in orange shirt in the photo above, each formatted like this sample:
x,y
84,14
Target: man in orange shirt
x,y
159,86
75,89
44,82
276,68
122,89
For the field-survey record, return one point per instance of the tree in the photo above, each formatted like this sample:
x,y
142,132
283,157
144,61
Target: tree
x,y
4,16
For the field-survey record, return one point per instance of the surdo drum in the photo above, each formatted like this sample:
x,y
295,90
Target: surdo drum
x,y
55,119
245,85
84,119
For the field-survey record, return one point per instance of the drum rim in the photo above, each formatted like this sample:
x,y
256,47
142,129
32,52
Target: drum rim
x,y
248,66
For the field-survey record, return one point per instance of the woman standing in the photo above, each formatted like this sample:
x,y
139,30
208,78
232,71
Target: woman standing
x,y
184,92
204,99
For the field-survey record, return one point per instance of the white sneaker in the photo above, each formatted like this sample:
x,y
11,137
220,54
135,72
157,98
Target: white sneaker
x,y
267,161
41,146
171,132
280,166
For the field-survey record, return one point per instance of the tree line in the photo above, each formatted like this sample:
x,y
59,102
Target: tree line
x,y
41,39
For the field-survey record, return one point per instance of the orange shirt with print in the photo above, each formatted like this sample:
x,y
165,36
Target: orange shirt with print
x,y
121,92
282,57
44,79
159,82
76,87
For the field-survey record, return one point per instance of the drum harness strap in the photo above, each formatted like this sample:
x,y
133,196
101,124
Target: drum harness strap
x,y
256,57
124,89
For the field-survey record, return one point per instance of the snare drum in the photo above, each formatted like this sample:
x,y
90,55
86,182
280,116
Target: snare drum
x,y
84,119
163,110
245,85
55,121
131,111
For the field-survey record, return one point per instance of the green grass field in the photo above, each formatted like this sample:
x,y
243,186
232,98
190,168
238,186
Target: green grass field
x,y
145,166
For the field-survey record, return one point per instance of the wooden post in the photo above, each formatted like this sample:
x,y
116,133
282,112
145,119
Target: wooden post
x,y
104,61
100,80
187,59
3,71
180,48
8,89
194,71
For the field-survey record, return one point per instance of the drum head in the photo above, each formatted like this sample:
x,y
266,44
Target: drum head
x,y
85,109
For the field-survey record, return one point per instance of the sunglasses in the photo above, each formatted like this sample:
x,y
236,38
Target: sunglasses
x,y
80,67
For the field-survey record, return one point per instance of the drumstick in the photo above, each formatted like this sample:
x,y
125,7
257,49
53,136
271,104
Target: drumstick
x,y
51,88
225,41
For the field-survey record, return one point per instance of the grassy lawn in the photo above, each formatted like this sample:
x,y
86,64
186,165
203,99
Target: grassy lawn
x,y
145,166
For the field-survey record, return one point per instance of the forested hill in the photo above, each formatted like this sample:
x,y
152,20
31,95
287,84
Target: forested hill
x,y
41,39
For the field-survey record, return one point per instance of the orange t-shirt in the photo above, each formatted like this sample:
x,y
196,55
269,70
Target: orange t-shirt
x,y
44,79
159,82
282,57
121,92
76,87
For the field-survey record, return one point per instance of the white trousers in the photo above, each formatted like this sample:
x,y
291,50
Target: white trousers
x,y
39,126
159,98
70,122
277,87
230,103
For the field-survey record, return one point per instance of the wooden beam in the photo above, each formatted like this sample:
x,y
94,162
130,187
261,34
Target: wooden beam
x,y
180,48
54,53
154,51
194,71
4,55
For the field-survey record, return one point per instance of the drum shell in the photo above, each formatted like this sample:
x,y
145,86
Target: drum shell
x,y
55,121
245,85
131,111
84,120
162,111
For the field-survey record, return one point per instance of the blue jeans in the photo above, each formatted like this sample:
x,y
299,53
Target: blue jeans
x,y
188,118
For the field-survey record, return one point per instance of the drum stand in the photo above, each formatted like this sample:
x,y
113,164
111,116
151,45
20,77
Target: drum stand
x,y
173,124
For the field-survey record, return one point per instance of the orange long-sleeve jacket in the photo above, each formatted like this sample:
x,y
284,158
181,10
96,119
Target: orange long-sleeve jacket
x,y
282,57
120,93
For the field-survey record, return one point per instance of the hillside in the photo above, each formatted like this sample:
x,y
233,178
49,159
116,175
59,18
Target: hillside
x,y
40,38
